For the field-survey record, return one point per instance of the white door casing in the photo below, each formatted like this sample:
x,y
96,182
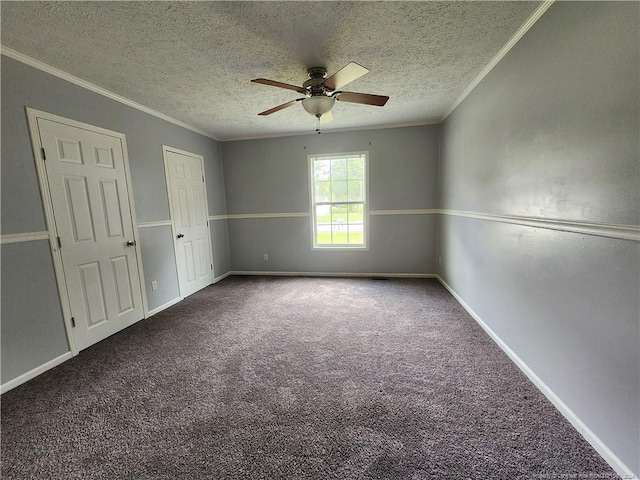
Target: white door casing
x,y
189,219
83,174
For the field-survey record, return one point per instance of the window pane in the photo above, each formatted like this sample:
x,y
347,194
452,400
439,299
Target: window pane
x,y
339,191
323,225
323,214
340,235
356,168
323,237
339,169
356,224
339,216
356,214
321,170
322,191
356,190
356,234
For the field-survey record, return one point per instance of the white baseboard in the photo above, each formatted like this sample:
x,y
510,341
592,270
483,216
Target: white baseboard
x,y
25,377
331,274
170,303
618,466
221,277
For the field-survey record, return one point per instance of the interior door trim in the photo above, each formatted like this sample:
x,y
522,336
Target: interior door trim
x,y
32,118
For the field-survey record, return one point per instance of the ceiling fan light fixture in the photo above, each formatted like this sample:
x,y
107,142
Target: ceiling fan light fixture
x,y
318,105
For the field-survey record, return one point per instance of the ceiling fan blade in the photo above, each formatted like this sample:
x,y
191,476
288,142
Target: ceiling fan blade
x,y
365,98
273,83
280,107
327,117
346,74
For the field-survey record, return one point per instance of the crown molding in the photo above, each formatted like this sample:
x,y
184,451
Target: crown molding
x,y
338,130
544,6
32,62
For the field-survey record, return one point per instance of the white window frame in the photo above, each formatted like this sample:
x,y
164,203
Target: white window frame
x,y
312,203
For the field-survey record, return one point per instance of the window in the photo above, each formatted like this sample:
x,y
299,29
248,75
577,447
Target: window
x,y
339,200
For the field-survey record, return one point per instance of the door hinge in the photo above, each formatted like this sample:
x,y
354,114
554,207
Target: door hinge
x,y
44,155
59,242
73,322
212,266
202,178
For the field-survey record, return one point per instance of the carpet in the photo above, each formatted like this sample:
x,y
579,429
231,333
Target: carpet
x,y
294,378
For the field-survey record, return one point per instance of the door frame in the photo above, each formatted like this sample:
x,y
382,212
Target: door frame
x,y
166,149
45,193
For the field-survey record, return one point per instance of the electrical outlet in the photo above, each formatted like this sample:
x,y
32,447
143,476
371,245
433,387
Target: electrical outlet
x,y
266,257
154,285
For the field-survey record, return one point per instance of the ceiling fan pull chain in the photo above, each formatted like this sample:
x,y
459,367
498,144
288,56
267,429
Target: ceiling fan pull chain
x,y
318,123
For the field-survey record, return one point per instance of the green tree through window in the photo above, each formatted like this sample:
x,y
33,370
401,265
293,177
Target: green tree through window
x,y
338,194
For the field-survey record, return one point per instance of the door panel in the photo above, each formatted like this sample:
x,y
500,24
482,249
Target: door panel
x,y
79,209
92,292
104,157
203,257
87,179
69,151
184,214
190,221
199,218
112,209
122,280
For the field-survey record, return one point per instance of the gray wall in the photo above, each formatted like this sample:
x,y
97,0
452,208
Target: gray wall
x,y
270,176
33,332
217,203
552,132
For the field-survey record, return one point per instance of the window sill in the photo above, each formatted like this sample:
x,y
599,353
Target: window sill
x,y
339,249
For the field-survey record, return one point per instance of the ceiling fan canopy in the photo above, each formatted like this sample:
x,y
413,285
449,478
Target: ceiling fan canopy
x,y
321,92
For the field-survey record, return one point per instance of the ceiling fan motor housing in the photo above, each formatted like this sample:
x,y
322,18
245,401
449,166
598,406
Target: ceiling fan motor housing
x,y
316,79
317,72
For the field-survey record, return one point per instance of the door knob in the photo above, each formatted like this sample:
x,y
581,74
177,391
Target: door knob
x,y
131,243
180,235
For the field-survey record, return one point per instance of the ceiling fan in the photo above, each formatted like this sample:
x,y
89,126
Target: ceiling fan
x,y
322,92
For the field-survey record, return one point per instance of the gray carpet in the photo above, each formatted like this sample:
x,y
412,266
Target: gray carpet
x,y
293,378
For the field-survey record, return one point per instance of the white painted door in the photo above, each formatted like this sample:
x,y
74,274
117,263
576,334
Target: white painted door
x,y
190,219
87,179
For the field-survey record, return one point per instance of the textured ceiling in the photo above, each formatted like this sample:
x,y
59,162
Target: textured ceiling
x,y
193,61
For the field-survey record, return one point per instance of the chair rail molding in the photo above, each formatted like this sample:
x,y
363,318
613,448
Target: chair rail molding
x,y
610,230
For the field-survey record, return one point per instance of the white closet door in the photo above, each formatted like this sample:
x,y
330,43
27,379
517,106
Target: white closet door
x,y
189,216
87,180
